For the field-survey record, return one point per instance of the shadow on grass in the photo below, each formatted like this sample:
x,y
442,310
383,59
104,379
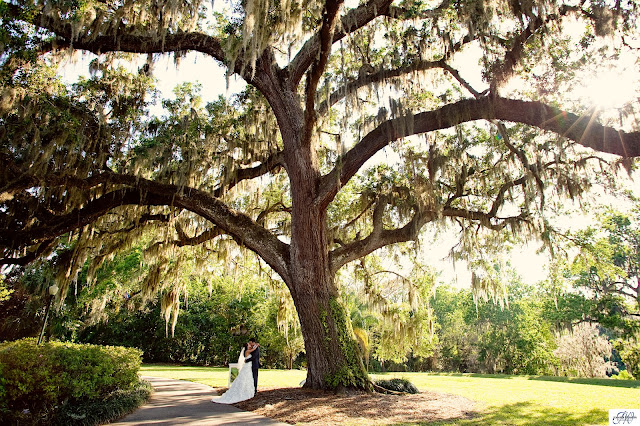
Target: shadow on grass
x,y
524,413
630,384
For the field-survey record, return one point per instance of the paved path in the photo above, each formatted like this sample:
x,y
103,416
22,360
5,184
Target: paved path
x,y
178,402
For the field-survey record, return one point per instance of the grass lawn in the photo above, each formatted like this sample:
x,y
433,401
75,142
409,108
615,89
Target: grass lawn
x,y
218,377
533,400
504,400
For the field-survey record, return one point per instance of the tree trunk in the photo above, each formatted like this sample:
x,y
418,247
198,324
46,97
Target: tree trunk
x,y
333,356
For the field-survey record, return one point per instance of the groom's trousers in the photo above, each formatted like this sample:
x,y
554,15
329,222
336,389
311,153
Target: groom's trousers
x,y
254,370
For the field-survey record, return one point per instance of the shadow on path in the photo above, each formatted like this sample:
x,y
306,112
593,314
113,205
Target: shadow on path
x,y
186,403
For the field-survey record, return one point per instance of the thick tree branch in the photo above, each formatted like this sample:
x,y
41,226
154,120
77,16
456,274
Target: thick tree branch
x,y
205,236
380,237
42,249
505,69
351,21
382,75
488,220
144,192
377,239
124,38
581,129
329,18
397,11
278,207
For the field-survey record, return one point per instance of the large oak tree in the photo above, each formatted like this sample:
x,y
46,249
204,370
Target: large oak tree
x,y
330,86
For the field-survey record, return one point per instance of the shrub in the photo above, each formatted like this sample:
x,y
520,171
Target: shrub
x,y
398,385
622,375
40,379
630,354
96,412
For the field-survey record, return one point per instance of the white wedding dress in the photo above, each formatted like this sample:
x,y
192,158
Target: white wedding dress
x,y
242,387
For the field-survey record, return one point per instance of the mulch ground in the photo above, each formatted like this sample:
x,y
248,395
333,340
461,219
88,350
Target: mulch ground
x,y
314,407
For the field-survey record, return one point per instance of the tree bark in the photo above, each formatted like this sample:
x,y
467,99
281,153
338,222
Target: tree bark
x,y
332,353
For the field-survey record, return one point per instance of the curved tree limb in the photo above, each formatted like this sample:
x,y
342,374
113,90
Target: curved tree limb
x,y
351,21
329,18
580,129
270,163
124,38
144,192
380,237
396,11
377,239
41,249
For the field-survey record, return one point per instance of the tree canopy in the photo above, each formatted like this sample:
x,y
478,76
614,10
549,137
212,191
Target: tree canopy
x,y
357,129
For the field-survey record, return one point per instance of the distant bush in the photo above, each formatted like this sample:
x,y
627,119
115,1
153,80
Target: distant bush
x,y
623,375
398,385
630,353
40,380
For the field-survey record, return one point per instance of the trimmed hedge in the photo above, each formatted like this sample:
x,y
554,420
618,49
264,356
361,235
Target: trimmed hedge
x,y
40,380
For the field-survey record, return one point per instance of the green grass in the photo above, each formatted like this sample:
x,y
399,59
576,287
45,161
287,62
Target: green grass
x,y
532,400
217,376
503,400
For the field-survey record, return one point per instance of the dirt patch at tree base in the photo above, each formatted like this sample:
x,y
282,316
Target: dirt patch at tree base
x,y
314,407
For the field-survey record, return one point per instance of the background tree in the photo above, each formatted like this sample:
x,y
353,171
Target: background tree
x,y
585,352
607,268
330,86
491,338
456,317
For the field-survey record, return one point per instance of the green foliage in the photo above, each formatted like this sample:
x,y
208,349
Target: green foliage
x,y
390,313
5,292
214,323
398,385
43,378
112,407
517,339
352,372
630,353
457,336
607,270
623,375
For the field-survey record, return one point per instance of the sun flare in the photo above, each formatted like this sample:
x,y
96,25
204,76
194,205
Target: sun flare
x,y
610,88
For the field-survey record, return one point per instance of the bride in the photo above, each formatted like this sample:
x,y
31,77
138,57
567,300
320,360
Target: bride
x,y
242,387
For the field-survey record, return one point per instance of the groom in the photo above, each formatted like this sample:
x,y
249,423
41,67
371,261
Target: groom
x,y
254,349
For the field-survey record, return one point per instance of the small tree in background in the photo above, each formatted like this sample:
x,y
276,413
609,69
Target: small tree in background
x,y
629,351
584,352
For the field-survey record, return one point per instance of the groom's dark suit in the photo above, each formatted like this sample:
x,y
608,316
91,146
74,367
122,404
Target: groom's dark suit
x,y
255,364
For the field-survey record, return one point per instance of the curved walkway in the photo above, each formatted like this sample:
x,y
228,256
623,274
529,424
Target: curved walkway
x,y
178,402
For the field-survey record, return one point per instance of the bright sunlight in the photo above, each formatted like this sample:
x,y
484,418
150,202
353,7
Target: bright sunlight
x,y
610,88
